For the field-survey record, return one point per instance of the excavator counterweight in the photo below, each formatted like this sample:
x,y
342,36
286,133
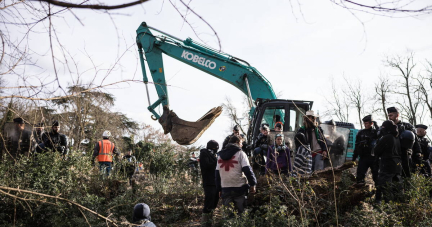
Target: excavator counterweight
x,y
186,132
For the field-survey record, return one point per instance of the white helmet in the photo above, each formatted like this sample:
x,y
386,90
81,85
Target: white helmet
x,y
106,134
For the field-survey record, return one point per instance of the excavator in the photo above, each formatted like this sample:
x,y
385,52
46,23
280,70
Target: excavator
x,y
263,103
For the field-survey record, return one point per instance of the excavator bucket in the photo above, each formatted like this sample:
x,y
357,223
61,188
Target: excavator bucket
x,y
186,132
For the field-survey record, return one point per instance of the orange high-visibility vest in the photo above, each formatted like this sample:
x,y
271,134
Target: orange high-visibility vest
x,y
106,149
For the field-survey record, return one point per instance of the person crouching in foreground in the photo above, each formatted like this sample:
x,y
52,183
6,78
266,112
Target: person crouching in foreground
x,y
234,175
141,215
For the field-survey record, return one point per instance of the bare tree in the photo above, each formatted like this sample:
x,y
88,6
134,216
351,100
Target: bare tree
x,y
38,88
356,94
339,103
404,67
425,87
382,90
235,114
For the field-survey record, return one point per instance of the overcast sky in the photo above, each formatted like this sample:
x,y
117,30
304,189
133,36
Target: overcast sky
x,y
297,49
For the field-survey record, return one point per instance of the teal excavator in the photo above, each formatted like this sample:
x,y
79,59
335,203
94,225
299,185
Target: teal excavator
x,y
264,106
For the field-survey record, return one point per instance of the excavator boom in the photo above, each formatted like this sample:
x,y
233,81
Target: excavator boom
x,y
220,65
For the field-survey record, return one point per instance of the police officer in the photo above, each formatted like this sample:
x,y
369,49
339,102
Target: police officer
x,y
54,140
410,147
17,139
262,143
336,142
236,131
424,144
365,142
39,131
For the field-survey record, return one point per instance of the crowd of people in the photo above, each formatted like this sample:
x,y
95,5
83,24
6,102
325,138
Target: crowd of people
x,y
20,141
393,151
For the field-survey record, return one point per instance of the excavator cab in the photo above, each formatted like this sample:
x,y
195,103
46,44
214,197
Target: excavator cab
x,y
288,113
339,136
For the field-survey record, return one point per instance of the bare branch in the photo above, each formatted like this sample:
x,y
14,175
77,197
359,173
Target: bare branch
x,y
387,8
94,6
200,17
71,95
57,198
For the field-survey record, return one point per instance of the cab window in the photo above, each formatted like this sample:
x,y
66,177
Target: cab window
x,y
296,118
273,115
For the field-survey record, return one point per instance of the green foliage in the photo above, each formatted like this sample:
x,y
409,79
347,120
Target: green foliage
x,y
272,214
143,150
75,179
414,208
174,198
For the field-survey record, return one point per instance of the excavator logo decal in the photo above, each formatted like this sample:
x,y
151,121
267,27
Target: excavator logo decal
x,y
197,59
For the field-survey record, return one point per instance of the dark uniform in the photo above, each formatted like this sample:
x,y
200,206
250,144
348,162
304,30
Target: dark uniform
x,y
55,141
336,143
37,136
262,143
244,145
410,157
425,148
208,162
365,142
17,141
388,152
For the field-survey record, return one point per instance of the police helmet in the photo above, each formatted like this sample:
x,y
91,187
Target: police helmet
x,y
407,139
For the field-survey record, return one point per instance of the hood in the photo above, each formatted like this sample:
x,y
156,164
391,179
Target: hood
x,y
229,151
206,151
389,127
141,212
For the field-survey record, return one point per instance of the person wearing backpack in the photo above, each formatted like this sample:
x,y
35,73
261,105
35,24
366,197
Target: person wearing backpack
x,y
129,165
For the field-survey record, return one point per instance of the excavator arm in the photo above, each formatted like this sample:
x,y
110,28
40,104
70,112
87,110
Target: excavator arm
x,y
220,65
